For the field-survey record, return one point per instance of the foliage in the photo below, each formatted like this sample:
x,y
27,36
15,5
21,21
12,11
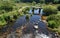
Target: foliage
x,y
42,1
56,1
2,11
37,1
48,10
52,24
8,17
58,7
26,10
33,3
2,21
15,16
53,21
6,6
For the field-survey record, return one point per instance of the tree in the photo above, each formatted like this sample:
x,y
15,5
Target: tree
x,y
42,1
56,1
33,3
48,1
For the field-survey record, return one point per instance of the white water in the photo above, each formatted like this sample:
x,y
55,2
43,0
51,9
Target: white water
x,y
37,36
36,11
41,12
30,11
41,36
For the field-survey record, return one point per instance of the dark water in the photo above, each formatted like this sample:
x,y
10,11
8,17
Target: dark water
x,y
33,19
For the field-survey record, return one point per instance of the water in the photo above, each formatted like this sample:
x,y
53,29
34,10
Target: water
x,y
43,32
41,36
36,11
30,11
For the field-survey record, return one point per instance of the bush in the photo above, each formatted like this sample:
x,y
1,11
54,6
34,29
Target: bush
x,y
48,10
7,6
58,7
2,11
26,10
15,16
2,21
52,24
7,18
53,21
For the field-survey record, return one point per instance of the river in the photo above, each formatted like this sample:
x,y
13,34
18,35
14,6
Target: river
x,y
21,21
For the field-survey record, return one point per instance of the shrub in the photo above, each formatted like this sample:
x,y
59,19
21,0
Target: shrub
x,y
15,16
26,10
48,10
53,21
2,21
6,6
52,24
2,11
58,7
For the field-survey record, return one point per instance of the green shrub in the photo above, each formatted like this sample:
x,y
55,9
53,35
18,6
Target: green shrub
x,y
52,24
48,10
15,16
26,10
7,18
53,21
58,7
2,11
53,17
7,6
2,21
